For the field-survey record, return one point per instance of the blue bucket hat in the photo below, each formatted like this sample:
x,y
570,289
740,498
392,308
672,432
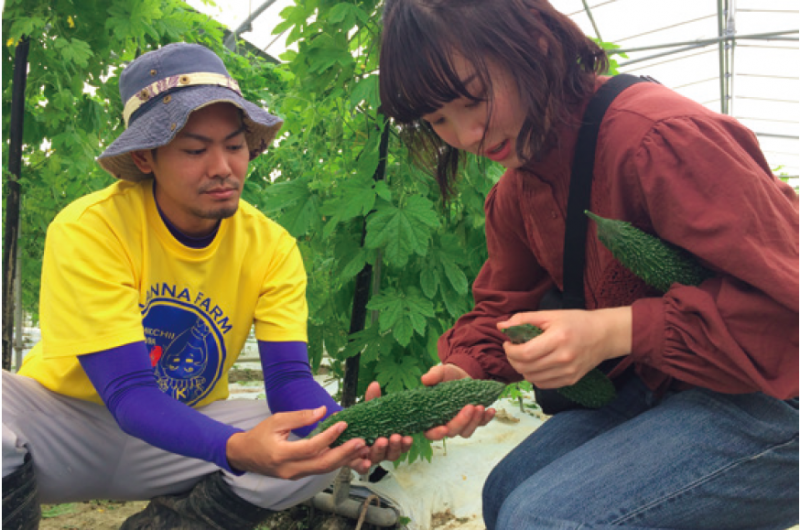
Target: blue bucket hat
x,y
161,88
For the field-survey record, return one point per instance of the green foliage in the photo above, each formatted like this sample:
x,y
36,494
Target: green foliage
x,y
611,50
520,391
72,104
321,187
317,180
793,181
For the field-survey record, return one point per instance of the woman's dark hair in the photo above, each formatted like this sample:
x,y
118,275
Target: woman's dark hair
x,y
553,62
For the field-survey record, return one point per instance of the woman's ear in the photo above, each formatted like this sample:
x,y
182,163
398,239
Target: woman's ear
x,y
143,160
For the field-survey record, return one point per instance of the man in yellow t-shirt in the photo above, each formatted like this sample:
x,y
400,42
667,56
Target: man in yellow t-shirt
x,y
149,290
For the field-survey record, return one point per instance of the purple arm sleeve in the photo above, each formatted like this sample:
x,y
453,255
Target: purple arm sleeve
x,y
289,383
124,379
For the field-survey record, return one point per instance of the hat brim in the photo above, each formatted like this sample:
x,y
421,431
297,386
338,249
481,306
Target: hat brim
x,y
158,125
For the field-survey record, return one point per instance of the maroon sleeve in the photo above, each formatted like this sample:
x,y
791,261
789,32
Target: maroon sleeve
x,y
708,189
510,281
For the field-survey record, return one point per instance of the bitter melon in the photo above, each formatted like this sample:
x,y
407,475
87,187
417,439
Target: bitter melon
x,y
657,262
411,411
594,390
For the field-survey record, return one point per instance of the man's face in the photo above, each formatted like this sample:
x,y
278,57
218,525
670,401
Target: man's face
x,y
200,173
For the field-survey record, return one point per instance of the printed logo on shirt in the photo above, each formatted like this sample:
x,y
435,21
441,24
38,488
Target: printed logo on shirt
x,y
186,346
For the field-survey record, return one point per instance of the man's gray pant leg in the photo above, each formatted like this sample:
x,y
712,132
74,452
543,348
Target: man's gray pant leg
x,y
80,453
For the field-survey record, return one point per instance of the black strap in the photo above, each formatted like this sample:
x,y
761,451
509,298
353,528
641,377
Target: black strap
x,y
580,188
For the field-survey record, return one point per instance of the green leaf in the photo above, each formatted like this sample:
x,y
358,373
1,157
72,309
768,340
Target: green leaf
x,y
25,26
454,275
284,194
369,157
395,376
343,14
383,191
402,230
429,281
74,51
358,342
403,313
403,331
321,59
366,89
297,219
294,16
455,303
356,198
391,309
354,265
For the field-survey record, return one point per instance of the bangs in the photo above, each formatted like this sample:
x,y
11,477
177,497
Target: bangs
x,y
416,73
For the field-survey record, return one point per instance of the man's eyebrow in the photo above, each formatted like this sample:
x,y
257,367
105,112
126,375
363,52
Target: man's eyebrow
x,y
206,139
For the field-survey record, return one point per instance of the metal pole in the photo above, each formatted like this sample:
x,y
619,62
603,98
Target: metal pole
x,y
19,80
698,44
772,35
230,40
591,19
775,135
721,33
730,30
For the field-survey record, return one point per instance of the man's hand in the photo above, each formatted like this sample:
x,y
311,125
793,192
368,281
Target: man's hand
x,y
572,343
468,419
266,448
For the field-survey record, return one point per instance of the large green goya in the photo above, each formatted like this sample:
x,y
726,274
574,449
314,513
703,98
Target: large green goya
x,y
594,390
411,411
657,262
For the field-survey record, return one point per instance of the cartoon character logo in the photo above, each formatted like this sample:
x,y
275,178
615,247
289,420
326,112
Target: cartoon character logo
x,y
186,350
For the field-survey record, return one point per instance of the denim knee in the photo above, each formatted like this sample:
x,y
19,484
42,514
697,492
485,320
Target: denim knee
x,y
491,506
500,483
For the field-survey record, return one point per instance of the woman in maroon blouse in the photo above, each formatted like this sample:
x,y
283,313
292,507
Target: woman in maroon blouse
x,y
703,432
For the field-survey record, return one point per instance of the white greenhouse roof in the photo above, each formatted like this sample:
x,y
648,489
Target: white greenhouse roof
x,y
753,74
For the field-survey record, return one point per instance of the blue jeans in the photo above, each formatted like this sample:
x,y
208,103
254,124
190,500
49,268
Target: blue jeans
x,y
695,460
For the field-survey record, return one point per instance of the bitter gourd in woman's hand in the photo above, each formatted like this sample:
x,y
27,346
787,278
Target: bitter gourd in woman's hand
x,y
657,262
411,411
594,390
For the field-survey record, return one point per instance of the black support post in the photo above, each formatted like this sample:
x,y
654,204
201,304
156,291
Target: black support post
x,y
13,194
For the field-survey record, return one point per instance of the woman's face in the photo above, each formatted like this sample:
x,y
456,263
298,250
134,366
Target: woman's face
x,y
463,122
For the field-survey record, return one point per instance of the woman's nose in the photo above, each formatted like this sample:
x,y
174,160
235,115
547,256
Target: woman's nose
x,y
470,132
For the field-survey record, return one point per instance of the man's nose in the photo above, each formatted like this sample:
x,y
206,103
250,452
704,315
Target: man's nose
x,y
219,165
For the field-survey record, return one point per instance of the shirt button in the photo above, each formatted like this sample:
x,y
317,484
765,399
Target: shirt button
x,y
554,215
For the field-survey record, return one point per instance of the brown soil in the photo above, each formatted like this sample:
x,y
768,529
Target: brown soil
x,y
94,515
109,515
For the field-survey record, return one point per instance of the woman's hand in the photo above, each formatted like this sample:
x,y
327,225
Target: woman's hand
x,y
572,343
468,419
384,448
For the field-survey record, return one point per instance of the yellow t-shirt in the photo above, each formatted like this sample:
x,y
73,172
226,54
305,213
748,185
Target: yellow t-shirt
x,y
113,274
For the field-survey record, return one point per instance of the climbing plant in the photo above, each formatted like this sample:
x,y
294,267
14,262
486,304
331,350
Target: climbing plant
x,y
72,104
325,190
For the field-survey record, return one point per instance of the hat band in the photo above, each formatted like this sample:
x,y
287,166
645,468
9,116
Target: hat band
x,y
176,81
